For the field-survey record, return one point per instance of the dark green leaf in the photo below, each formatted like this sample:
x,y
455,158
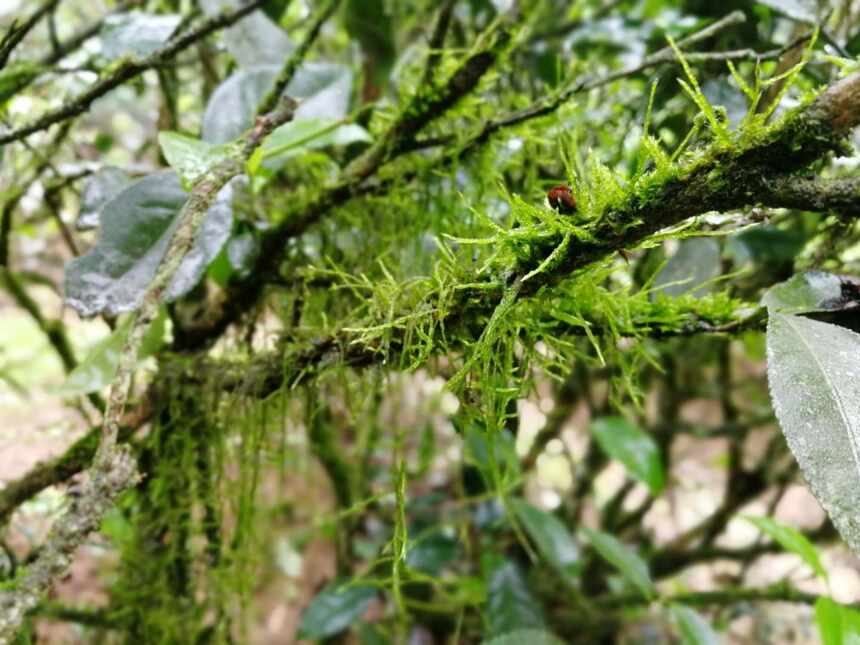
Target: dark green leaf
x,y
631,566
633,447
432,553
136,229
552,538
790,539
815,390
491,453
99,188
334,609
136,34
510,603
693,628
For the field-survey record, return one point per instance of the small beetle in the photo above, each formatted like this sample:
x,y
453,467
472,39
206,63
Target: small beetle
x,y
561,199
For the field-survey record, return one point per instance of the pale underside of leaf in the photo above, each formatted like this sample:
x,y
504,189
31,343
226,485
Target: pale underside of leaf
x,y
812,371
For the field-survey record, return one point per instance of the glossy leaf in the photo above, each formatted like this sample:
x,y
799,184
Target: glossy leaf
x,y
323,91
334,609
98,189
136,34
633,447
806,292
294,137
813,374
628,563
553,540
136,229
837,624
432,553
510,603
254,40
190,157
692,627
526,636
791,540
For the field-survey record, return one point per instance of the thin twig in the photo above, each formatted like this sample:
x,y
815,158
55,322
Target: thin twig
x,y
129,69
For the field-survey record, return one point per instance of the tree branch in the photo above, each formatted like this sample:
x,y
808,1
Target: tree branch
x,y
129,69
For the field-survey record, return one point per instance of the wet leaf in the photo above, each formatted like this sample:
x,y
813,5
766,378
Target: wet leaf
x,y
137,225
815,389
98,189
191,157
136,34
334,609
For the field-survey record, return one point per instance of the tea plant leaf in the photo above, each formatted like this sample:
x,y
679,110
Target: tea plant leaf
x,y
814,385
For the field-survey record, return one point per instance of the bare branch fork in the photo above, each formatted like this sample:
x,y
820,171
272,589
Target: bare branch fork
x,y
114,469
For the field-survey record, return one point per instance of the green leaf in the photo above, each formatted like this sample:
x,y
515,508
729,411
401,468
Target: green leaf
x,y
135,33
300,134
693,628
15,77
791,540
255,40
432,553
553,540
814,386
491,454
529,636
696,261
837,624
136,229
334,609
323,90
510,603
631,566
98,189
99,366
633,447
805,293
190,157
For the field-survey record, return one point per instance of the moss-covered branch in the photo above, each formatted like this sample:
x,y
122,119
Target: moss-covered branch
x,y
114,468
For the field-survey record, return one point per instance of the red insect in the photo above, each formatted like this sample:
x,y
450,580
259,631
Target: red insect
x,y
561,199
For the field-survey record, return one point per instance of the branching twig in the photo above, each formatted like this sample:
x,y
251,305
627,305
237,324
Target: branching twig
x,y
296,57
128,70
